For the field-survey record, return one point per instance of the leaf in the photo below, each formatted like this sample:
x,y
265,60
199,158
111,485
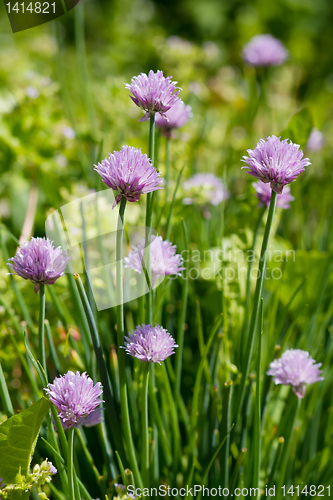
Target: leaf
x,y
18,437
299,127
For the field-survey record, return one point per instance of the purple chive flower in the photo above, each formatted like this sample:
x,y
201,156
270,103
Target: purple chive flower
x,y
163,259
129,172
154,93
264,50
53,470
316,140
296,368
176,117
264,193
94,418
75,396
38,261
150,343
276,161
203,189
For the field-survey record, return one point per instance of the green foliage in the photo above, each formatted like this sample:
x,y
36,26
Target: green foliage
x,y
299,127
18,437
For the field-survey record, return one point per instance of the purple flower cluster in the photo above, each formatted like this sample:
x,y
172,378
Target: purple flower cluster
x,y
154,93
205,188
76,397
264,193
275,161
163,259
264,50
316,140
38,261
150,343
296,368
53,470
129,172
176,117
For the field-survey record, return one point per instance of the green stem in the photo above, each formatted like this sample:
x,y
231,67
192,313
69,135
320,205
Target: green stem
x,y
256,305
156,415
4,395
167,167
80,43
145,432
287,446
88,456
234,477
276,463
248,280
182,317
107,388
41,336
70,463
149,216
257,420
174,418
52,348
169,219
125,419
225,426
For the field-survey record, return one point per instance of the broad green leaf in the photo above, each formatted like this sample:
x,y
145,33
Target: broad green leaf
x,y
299,127
18,437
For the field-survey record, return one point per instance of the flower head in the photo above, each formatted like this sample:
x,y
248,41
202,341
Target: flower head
x,y
264,50
163,259
94,418
264,193
176,117
38,261
52,469
154,93
275,161
203,189
297,368
150,343
75,396
129,172
316,140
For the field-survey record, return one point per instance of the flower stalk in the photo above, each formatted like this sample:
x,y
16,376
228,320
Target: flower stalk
x,y
41,336
256,306
125,419
70,456
145,431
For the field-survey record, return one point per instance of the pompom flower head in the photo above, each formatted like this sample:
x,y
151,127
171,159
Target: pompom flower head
x,y
316,140
94,418
129,172
154,93
38,261
295,368
75,396
176,117
163,259
264,50
276,162
150,343
264,193
204,189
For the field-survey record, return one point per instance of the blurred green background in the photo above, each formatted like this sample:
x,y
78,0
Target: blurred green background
x,y
63,107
